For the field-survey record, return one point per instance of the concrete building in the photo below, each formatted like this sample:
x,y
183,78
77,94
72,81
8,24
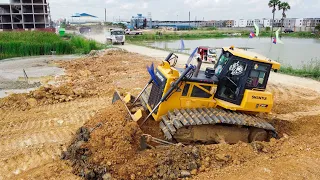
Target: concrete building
x,y
311,22
299,22
24,14
207,23
251,22
229,23
84,18
289,23
235,23
242,23
220,23
276,23
266,22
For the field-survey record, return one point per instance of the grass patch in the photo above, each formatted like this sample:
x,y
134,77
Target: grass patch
x,y
311,70
33,43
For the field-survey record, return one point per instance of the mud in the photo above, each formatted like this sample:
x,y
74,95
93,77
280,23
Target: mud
x,y
37,129
113,146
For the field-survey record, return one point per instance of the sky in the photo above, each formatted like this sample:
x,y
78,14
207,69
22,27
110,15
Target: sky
x,y
179,9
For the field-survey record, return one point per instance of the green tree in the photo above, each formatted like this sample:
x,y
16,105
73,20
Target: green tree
x,y
284,6
267,29
273,4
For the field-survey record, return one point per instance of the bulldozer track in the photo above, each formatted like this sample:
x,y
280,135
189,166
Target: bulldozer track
x,y
177,119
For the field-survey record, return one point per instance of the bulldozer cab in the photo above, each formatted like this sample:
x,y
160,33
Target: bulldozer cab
x,y
239,70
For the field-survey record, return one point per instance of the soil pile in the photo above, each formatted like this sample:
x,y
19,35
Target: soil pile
x,y
109,145
86,77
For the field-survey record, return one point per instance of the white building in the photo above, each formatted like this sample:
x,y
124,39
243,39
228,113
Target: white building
x,y
235,23
289,23
266,22
251,22
242,23
299,22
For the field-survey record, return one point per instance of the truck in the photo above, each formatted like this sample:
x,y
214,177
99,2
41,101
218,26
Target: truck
x,y
130,32
115,36
207,54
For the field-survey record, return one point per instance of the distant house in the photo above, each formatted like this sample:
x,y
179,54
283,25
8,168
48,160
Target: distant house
x,y
84,18
266,22
229,23
242,23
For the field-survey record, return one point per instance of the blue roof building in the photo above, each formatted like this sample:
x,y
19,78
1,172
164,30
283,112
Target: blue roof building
x,y
84,18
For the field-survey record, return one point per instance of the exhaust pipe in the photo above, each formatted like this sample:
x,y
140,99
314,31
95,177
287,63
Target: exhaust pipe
x,y
196,73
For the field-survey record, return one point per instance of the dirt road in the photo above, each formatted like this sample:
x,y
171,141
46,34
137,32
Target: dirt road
x,y
37,69
36,127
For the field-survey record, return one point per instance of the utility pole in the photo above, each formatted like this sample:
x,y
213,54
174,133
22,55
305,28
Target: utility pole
x,y
105,15
189,21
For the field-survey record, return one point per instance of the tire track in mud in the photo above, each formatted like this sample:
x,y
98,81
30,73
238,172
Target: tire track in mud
x,y
35,139
18,127
25,135
33,159
286,93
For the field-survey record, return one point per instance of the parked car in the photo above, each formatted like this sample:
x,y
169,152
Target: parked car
x,y
288,31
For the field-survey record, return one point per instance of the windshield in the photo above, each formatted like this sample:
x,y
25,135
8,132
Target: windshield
x,y
212,51
224,58
117,33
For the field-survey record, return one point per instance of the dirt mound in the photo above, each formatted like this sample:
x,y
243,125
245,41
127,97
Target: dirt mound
x,y
86,77
109,145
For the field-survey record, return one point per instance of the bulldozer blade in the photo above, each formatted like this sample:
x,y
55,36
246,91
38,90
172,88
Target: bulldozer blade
x,y
137,116
128,98
116,97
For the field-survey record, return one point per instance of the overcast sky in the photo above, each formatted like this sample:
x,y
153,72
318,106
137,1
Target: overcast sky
x,y
178,9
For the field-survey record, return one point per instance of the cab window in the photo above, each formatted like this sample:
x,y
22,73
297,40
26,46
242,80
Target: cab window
x,y
258,76
197,92
117,33
223,60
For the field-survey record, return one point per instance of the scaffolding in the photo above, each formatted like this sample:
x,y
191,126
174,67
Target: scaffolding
x,y
24,14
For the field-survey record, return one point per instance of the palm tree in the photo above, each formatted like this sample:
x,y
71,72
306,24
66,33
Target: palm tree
x,y
273,4
284,6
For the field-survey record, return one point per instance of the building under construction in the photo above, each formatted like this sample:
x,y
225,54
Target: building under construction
x,y
24,14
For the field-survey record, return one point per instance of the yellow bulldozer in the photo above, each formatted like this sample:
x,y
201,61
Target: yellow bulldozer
x,y
217,105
